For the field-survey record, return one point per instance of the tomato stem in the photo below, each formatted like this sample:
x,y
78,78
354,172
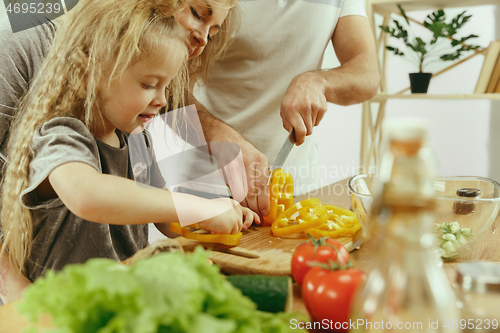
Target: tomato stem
x,y
317,242
331,264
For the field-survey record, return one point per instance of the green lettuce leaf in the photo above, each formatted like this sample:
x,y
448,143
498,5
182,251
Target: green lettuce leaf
x,y
170,292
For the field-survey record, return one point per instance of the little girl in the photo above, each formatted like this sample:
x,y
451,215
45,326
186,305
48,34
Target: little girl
x,y
66,198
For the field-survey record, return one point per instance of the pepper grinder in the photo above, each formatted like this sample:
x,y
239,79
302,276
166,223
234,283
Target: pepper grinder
x,y
466,207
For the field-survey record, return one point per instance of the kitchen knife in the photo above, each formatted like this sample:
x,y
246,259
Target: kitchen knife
x,y
283,154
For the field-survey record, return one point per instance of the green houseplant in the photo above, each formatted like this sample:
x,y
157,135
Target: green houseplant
x,y
442,46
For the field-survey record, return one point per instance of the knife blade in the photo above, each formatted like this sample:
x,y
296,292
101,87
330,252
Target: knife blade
x,y
283,154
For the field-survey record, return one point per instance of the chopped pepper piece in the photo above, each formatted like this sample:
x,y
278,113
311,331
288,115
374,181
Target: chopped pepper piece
x,y
341,222
339,218
339,211
334,233
226,239
286,194
281,193
309,214
316,218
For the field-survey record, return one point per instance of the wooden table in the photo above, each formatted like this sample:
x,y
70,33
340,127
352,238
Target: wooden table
x,y
487,249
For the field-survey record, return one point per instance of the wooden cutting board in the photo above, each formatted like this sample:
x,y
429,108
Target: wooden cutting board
x,y
259,252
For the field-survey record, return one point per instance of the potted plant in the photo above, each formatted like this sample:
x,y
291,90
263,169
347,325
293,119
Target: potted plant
x,y
425,52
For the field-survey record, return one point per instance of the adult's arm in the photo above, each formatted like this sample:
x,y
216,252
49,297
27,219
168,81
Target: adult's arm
x,y
256,165
356,79
21,57
12,283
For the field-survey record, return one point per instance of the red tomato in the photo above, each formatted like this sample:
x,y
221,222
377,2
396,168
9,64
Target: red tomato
x,y
304,253
328,294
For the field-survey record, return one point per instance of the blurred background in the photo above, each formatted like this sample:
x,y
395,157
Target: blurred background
x,y
463,133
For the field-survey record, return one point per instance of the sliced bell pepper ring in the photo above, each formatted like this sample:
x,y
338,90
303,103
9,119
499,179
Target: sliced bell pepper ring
x,y
302,206
332,216
337,225
226,239
304,209
318,233
339,210
332,223
341,222
317,218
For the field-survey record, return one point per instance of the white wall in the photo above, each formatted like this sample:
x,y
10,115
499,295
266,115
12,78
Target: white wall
x,y
339,136
459,130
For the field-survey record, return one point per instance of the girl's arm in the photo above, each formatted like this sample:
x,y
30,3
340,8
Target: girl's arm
x,y
12,283
110,199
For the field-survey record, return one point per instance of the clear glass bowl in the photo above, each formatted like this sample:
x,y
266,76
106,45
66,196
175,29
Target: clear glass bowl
x,y
482,210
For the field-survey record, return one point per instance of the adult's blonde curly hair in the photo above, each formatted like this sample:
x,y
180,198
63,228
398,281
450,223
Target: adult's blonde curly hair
x,y
199,67
97,40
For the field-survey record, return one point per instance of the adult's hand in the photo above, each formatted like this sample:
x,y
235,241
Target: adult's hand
x,y
231,168
245,172
356,79
256,165
257,172
304,105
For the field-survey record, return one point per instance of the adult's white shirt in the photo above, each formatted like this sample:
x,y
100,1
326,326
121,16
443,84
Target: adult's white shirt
x,y
278,40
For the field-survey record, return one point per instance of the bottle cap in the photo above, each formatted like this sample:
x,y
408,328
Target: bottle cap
x,y
468,192
481,277
405,129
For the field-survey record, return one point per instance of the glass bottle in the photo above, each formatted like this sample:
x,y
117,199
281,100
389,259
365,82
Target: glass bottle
x,y
407,289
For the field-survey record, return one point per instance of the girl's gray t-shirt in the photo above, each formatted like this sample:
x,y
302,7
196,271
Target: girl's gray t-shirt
x,y
59,236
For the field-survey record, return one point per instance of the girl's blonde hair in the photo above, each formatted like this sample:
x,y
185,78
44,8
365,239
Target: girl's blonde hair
x,y
97,39
199,67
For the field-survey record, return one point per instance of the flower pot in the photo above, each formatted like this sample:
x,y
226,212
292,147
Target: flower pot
x,y
420,82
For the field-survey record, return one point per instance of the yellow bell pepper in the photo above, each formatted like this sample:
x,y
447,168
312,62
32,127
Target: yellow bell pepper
x,y
226,239
339,211
341,222
286,194
281,193
315,218
311,216
334,233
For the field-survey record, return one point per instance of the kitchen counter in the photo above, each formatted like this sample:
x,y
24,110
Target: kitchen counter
x,y
487,249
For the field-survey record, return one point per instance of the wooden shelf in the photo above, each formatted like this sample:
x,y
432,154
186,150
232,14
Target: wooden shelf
x,y
382,97
390,6
374,110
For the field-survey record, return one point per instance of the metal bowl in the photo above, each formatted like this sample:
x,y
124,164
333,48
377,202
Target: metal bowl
x,y
475,215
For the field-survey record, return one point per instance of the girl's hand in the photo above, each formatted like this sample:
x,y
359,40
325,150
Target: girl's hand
x,y
249,217
232,220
